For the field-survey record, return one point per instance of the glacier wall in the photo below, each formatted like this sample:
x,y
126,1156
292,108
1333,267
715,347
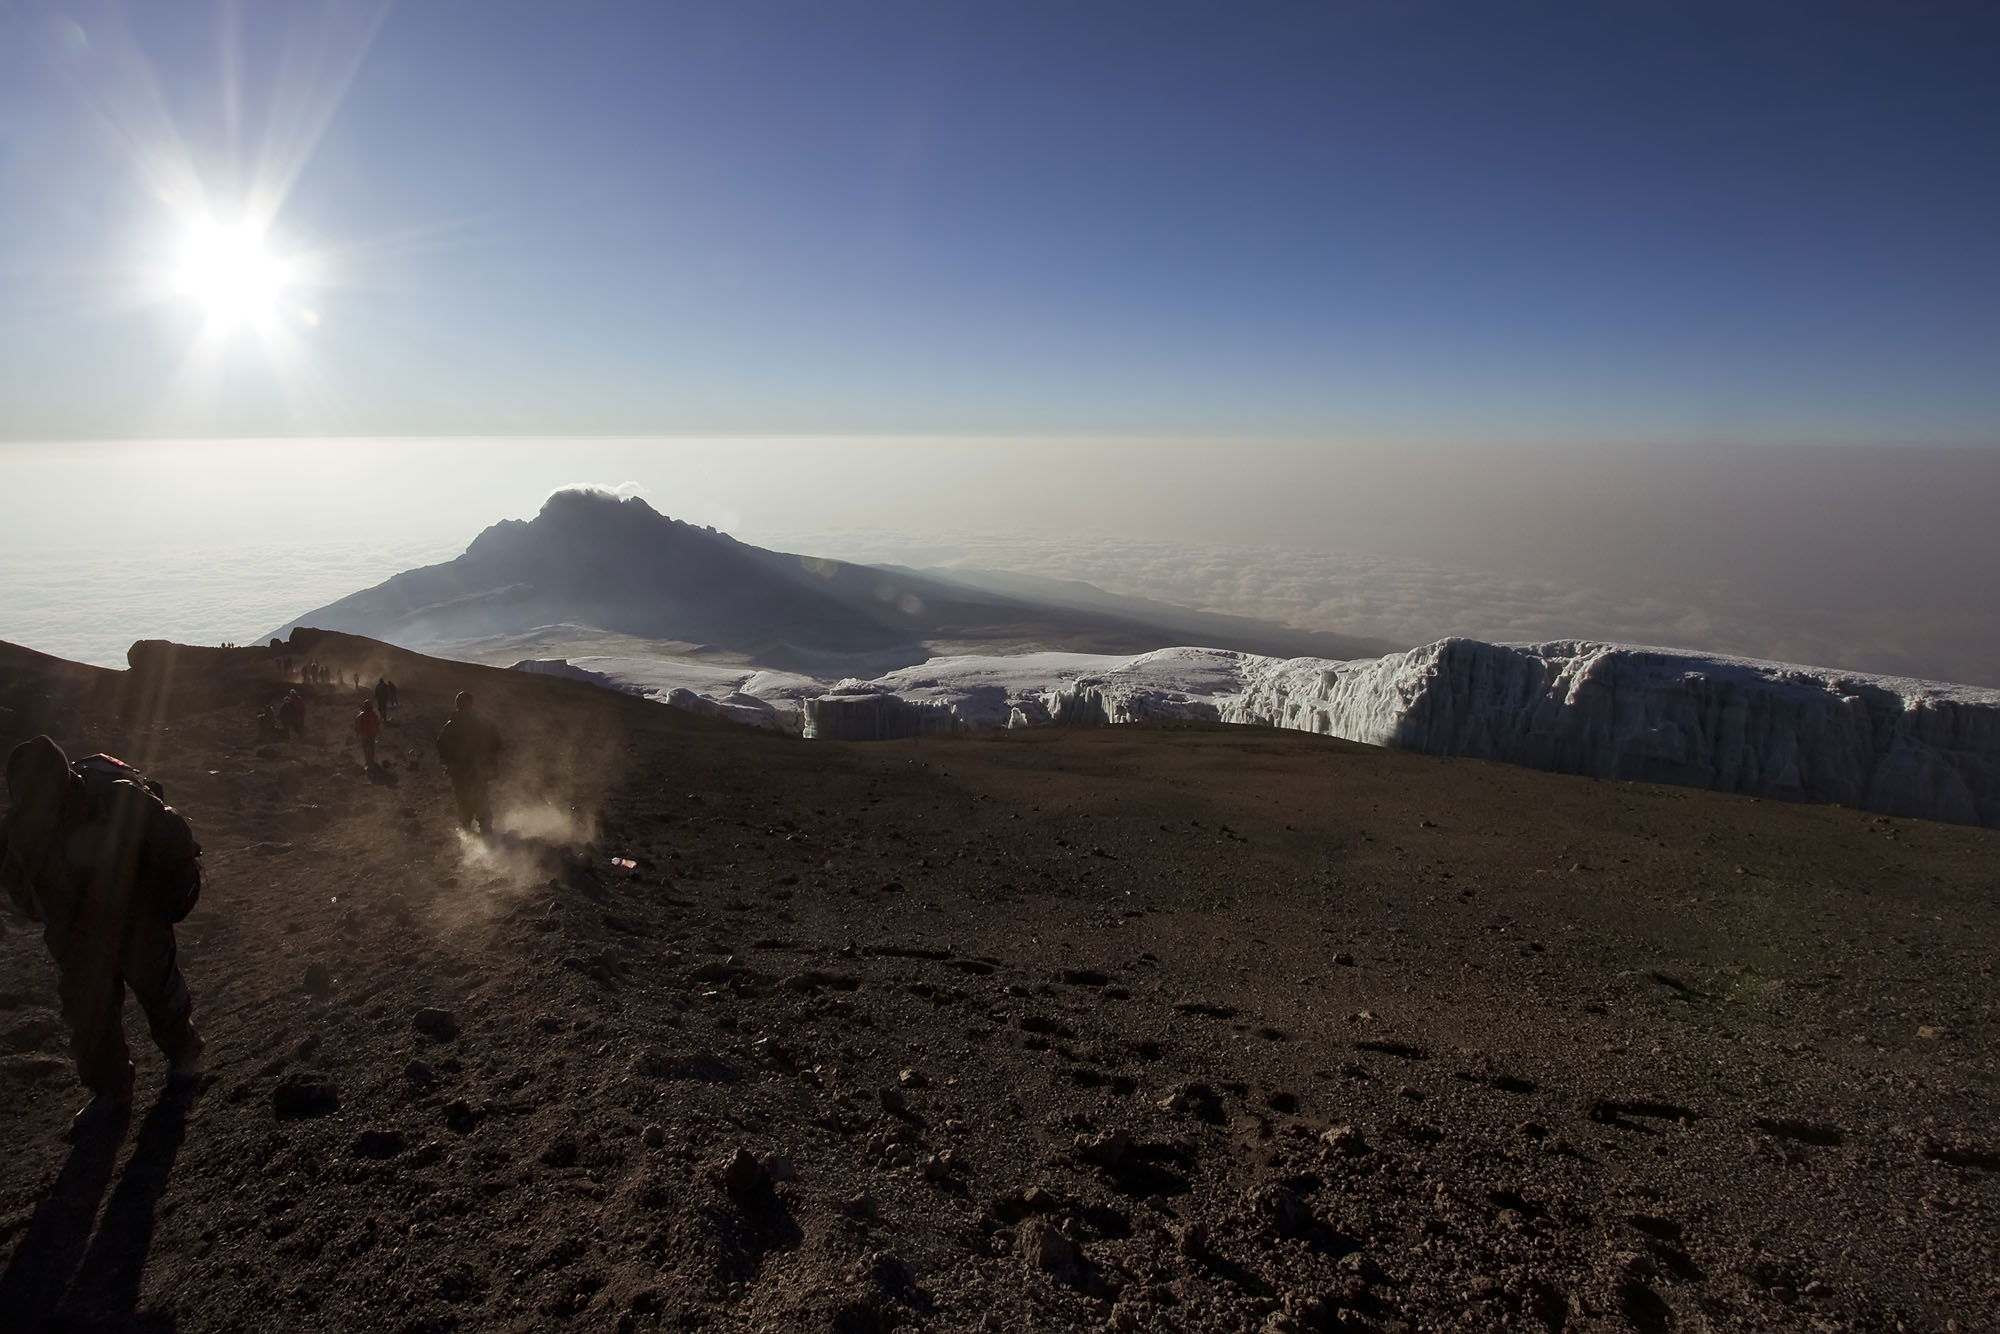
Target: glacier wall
x,y
875,717
1900,747
1614,711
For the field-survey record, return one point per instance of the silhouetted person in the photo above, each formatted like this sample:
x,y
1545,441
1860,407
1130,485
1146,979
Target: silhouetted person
x,y
292,713
382,696
395,696
368,726
469,747
107,867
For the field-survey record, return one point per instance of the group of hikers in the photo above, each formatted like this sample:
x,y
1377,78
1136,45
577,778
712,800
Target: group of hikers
x,y
287,718
93,852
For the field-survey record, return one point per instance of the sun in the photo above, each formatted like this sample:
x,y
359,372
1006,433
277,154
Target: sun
x,y
231,273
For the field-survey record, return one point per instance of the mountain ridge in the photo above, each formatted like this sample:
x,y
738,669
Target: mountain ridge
x,y
617,565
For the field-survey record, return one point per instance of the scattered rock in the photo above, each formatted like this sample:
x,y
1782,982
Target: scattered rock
x,y
562,1152
420,1074
1197,1100
459,1116
435,1024
1045,1248
654,1136
1345,1141
318,980
1281,1208
1106,1150
379,1143
304,1095
893,1101
913,1079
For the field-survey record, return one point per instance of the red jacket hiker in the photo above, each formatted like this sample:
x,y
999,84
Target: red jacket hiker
x,y
368,726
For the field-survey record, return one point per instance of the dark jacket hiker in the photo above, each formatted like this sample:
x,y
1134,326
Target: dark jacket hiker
x,y
469,747
93,853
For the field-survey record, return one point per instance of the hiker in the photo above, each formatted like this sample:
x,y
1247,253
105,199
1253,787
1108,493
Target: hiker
x,y
382,696
92,852
292,713
469,748
395,695
368,726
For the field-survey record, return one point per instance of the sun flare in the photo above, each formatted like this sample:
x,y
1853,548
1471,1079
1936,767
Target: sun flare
x,y
230,272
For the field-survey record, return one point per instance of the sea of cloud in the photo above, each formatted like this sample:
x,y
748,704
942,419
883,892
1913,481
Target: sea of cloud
x,y
1408,602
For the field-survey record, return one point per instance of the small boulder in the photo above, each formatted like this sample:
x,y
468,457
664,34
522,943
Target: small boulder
x,y
379,1143
458,1115
1046,1249
435,1024
318,980
1345,1141
304,1095
1281,1208
744,1177
1106,1150
654,1136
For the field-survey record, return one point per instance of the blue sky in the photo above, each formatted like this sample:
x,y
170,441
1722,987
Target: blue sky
x,y
1613,221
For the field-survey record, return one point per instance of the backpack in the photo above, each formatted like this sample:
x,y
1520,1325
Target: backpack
x,y
169,867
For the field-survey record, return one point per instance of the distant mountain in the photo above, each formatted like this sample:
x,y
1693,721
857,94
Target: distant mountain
x,y
604,563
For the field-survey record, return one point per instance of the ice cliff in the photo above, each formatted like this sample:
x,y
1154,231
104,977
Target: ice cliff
x,y
1738,725
1901,747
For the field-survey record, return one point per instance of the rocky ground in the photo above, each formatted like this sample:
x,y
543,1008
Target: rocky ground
x,y
1174,1028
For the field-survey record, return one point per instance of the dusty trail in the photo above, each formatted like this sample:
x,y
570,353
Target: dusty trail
x,y
1142,1028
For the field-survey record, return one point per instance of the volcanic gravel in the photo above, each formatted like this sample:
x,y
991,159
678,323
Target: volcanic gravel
x,y
1142,1028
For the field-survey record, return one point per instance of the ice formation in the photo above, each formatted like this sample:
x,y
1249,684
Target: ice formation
x,y
1607,710
1901,747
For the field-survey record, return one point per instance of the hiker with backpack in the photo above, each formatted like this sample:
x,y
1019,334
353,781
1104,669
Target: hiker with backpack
x,y
92,852
292,713
368,726
469,747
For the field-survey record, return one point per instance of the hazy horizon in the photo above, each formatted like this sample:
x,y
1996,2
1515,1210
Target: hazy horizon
x,y
1885,567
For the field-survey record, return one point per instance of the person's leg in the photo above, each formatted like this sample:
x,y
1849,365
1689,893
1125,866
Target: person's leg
x,y
482,807
93,1002
462,794
368,751
151,967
